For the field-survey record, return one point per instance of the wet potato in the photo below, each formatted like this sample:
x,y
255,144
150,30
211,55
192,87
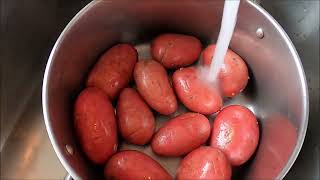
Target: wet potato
x,y
233,137
181,135
153,84
114,69
196,94
236,132
132,165
175,50
95,124
204,163
233,77
135,119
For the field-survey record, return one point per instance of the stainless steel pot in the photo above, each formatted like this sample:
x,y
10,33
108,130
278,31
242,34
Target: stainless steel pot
x,y
277,91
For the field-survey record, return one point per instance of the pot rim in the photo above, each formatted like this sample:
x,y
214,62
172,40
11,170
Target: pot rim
x,y
303,82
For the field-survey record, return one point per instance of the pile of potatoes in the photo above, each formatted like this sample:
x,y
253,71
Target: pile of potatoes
x,y
232,138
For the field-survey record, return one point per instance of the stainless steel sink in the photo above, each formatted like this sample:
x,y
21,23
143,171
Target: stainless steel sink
x,y
29,29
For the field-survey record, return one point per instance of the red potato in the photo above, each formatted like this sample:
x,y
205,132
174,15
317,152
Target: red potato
x,y
181,135
135,119
196,94
95,124
236,132
132,165
175,50
233,75
114,69
153,85
204,163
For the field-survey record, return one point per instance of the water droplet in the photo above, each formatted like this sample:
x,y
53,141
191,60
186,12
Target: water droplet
x,y
115,148
69,149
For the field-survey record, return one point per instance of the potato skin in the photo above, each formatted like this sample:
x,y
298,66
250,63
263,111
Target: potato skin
x,y
153,85
196,94
175,50
204,163
181,135
95,124
132,165
235,132
135,119
114,69
233,76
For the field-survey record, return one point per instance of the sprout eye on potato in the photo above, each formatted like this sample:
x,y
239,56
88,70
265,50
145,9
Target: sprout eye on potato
x,y
125,96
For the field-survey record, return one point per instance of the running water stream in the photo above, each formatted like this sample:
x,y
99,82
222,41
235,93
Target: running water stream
x,y
229,19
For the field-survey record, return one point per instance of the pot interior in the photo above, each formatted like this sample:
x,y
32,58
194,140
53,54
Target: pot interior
x,y
276,91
